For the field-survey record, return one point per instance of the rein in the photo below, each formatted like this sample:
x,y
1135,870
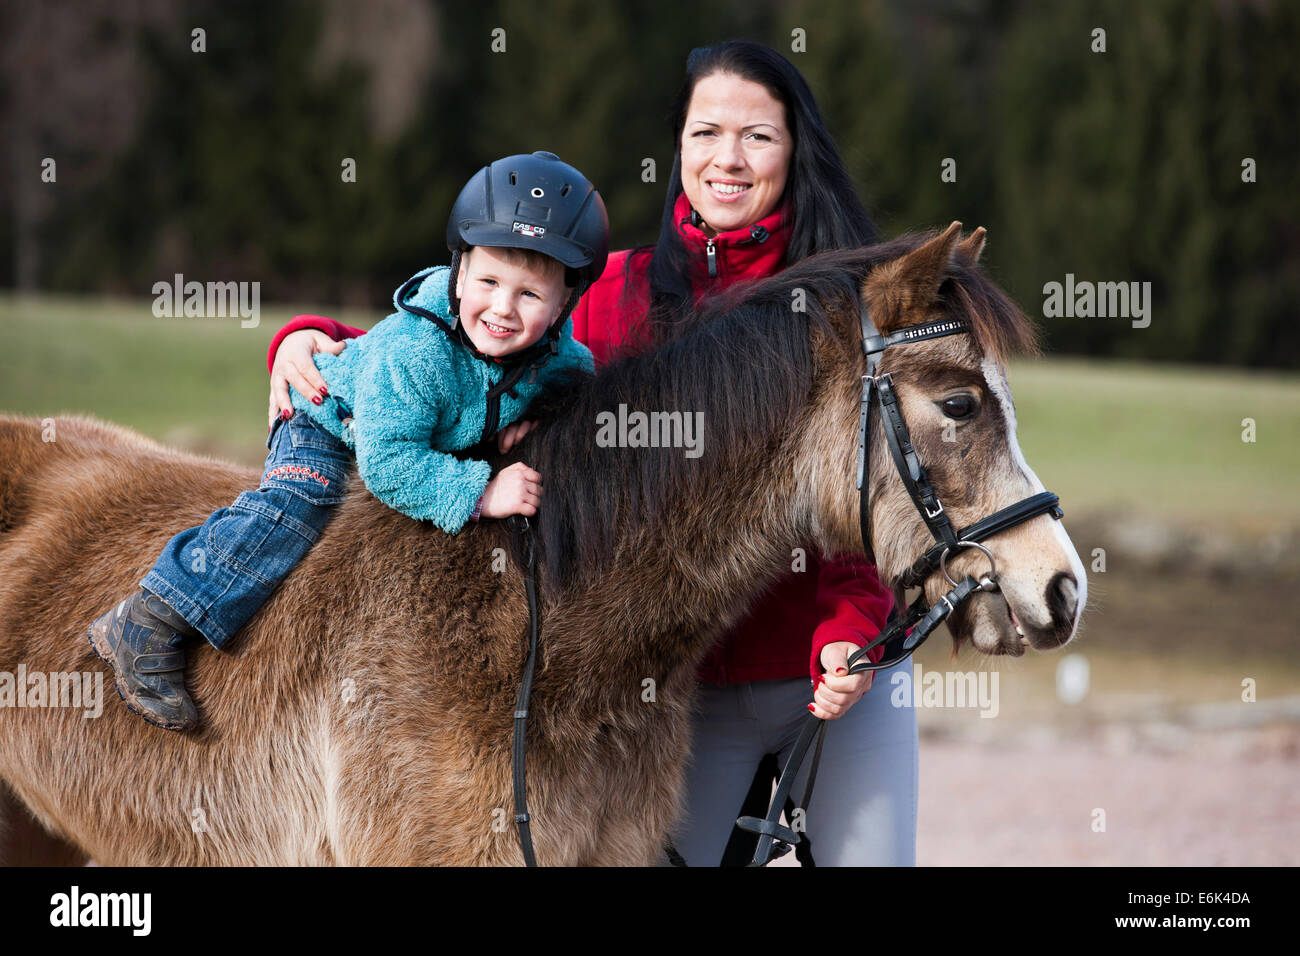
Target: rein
x,y
907,631
521,529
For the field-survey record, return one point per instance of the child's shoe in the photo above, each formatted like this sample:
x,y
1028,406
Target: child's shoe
x,y
143,639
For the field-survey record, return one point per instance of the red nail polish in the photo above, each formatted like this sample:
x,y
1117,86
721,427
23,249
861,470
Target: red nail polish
x,y
324,392
840,671
812,708
284,415
315,401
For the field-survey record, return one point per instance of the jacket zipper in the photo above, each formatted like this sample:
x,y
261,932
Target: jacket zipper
x,y
757,234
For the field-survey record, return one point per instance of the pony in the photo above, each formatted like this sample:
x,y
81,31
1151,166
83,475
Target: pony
x,y
365,714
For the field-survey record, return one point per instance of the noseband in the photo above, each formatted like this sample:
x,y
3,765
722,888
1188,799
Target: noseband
x,y
907,631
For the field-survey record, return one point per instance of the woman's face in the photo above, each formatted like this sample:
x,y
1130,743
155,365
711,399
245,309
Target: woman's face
x,y
736,151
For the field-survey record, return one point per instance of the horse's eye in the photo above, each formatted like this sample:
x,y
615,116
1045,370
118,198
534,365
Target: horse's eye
x,y
959,407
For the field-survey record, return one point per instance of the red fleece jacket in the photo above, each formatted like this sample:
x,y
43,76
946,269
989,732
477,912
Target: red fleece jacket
x,y
783,634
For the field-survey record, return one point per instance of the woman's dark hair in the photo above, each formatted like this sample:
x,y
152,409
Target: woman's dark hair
x,y
824,206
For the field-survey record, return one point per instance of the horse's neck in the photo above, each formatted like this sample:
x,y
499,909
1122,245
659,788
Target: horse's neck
x,y
673,587
688,541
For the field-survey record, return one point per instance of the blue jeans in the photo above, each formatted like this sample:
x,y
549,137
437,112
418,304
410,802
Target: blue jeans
x,y
217,575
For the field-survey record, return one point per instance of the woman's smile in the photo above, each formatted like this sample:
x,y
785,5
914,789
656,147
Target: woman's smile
x,y
727,190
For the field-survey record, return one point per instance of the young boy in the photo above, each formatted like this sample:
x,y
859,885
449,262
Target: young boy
x,y
466,351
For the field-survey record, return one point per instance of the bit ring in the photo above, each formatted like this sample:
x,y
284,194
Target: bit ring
x,y
988,582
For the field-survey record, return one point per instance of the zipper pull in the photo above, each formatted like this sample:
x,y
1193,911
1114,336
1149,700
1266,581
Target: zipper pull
x,y
713,260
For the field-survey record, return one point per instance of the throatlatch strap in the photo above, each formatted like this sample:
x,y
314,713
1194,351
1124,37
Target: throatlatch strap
x,y
864,468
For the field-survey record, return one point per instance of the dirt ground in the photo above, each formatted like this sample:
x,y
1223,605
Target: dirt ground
x,y
1186,771
1162,763
1035,805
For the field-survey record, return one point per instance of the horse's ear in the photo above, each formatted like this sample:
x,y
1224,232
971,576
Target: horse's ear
x,y
969,249
912,281
924,269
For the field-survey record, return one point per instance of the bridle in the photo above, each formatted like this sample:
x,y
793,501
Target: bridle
x,y
904,632
907,631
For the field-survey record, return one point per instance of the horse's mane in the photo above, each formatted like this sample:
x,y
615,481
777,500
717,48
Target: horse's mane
x,y
744,360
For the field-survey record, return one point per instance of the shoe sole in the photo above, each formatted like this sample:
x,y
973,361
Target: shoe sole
x,y
98,634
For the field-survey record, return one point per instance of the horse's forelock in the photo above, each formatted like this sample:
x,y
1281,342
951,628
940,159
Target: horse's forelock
x,y
999,327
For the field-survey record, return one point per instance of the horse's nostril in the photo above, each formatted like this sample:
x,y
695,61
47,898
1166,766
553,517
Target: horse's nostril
x,y
1063,600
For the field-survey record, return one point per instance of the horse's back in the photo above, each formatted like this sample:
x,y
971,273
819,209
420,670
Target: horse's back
x,y
357,670
66,464
85,508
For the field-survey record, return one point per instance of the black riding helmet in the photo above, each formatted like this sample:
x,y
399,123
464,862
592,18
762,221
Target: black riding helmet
x,y
533,202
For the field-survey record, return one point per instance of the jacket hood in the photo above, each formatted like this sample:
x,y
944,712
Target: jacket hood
x,y
430,293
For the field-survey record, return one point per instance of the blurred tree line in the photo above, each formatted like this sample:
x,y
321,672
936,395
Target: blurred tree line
x,y
1122,165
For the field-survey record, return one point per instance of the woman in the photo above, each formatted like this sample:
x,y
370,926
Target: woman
x,y
757,185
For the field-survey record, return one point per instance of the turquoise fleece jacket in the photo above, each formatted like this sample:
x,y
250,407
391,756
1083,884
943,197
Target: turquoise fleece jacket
x,y
415,394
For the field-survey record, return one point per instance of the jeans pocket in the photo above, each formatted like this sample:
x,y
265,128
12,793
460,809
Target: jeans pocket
x,y
306,434
275,427
308,461
264,533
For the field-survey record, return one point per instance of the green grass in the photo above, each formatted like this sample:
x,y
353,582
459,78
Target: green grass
x,y
1104,435
197,383
1163,440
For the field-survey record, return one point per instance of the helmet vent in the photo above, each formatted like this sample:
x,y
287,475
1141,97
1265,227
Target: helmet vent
x,y
514,179
565,190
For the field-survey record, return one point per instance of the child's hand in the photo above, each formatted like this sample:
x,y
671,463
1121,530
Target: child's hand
x,y
516,490
509,436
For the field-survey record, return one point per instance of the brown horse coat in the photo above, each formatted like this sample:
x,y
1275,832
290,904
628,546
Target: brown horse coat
x,y
364,715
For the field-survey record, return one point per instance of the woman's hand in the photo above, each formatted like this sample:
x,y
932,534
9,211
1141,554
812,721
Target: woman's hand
x,y
509,436
516,490
838,690
294,368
